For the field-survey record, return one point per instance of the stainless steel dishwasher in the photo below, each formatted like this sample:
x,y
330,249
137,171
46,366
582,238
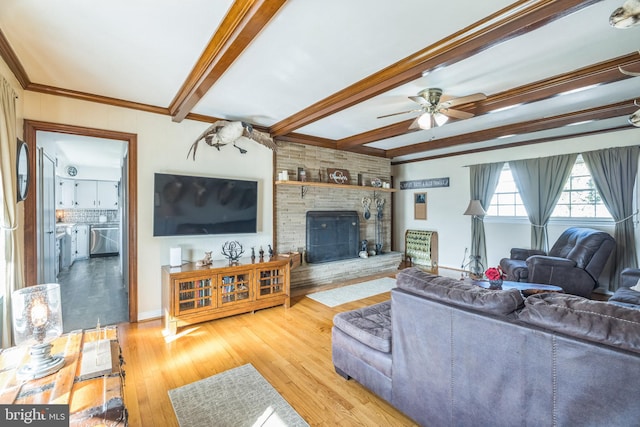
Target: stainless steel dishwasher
x,y
105,240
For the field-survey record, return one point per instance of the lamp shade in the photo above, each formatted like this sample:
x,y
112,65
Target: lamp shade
x,y
37,314
425,121
440,118
475,209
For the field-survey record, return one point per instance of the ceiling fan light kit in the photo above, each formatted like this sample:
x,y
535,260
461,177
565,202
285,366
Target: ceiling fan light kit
x,y
431,120
436,109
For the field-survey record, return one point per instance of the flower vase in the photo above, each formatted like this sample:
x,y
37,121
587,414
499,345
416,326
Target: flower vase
x,y
495,284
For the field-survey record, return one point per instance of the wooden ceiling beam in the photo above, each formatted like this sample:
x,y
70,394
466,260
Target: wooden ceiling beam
x,y
316,141
517,19
244,20
601,73
597,74
608,129
545,123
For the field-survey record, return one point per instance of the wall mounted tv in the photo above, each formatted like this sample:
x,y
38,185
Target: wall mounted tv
x,y
194,205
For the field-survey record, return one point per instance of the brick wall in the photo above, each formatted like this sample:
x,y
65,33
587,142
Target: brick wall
x,y
291,206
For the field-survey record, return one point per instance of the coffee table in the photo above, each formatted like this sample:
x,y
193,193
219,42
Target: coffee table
x,y
93,398
526,288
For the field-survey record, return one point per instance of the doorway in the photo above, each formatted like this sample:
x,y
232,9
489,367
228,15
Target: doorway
x,y
129,207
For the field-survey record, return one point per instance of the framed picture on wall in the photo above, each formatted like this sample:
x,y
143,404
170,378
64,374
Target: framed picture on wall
x,y
420,205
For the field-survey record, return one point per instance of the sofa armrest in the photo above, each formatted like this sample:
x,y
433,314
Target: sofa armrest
x,y
522,254
549,261
629,277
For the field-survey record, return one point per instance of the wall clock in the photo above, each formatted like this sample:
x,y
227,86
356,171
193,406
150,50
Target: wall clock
x,y
72,170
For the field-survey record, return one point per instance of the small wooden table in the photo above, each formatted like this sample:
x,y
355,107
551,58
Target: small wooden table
x,y
526,288
93,399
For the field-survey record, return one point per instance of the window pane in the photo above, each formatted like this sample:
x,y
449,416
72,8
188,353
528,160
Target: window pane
x,y
581,182
580,167
507,210
582,197
602,211
561,210
520,210
564,198
582,211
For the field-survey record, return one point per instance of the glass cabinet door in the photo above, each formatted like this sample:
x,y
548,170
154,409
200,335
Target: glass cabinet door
x,y
194,295
234,288
271,282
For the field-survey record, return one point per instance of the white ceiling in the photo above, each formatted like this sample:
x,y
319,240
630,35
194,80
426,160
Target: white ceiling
x,y
143,52
85,150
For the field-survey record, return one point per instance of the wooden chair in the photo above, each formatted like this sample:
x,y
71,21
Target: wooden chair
x,y
421,250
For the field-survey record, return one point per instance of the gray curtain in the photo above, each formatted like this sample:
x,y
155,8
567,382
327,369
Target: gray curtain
x,y
484,180
614,173
540,183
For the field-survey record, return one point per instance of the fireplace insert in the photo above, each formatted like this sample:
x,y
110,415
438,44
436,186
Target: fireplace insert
x,y
332,235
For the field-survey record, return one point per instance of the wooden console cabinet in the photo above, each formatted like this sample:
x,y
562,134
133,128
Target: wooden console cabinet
x,y
193,294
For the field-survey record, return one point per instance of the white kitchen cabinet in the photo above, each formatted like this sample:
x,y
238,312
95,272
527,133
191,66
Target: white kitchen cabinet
x,y
81,249
96,194
65,193
86,194
107,195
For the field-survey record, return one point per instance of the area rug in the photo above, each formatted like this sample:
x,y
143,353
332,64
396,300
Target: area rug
x,y
345,294
234,398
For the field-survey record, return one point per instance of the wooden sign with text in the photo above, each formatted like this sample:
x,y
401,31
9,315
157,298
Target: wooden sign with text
x,y
424,183
339,176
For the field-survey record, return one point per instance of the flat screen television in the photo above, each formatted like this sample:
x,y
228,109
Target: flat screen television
x,y
196,205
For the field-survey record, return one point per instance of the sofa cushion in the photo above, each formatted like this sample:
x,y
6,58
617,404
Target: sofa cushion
x,y
370,325
627,296
595,321
458,293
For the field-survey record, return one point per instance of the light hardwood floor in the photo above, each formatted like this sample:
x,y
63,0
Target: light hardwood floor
x,y
290,347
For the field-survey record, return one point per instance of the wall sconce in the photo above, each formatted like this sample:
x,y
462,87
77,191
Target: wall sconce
x,y
475,209
37,320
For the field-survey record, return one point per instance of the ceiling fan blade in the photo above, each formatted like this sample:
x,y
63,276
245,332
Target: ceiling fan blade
x,y
456,114
463,100
420,100
395,114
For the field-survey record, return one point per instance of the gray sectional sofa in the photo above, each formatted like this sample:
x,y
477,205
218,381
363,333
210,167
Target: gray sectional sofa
x,y
449,353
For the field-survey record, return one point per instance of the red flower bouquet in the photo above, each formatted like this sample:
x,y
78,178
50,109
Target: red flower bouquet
x,y
493,274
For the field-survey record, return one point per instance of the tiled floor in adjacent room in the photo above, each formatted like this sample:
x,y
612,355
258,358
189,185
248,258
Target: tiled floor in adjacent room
x,y
93,289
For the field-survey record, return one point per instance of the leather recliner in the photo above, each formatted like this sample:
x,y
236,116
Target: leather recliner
x,y
574,263
625,295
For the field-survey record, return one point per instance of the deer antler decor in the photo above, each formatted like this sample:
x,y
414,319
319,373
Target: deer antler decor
x,y
232,250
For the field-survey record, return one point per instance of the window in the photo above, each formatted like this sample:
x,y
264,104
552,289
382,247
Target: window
x,y
506,200
579,198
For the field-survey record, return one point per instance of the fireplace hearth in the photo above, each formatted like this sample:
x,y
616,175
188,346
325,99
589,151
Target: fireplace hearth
x,y
332,235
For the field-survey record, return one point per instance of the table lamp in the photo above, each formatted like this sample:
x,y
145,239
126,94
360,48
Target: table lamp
x,y
37,320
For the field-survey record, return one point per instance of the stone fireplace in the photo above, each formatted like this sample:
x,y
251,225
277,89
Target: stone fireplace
x,y
293,202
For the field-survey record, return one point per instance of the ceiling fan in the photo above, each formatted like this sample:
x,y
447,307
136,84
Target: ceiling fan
x,y
436,108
